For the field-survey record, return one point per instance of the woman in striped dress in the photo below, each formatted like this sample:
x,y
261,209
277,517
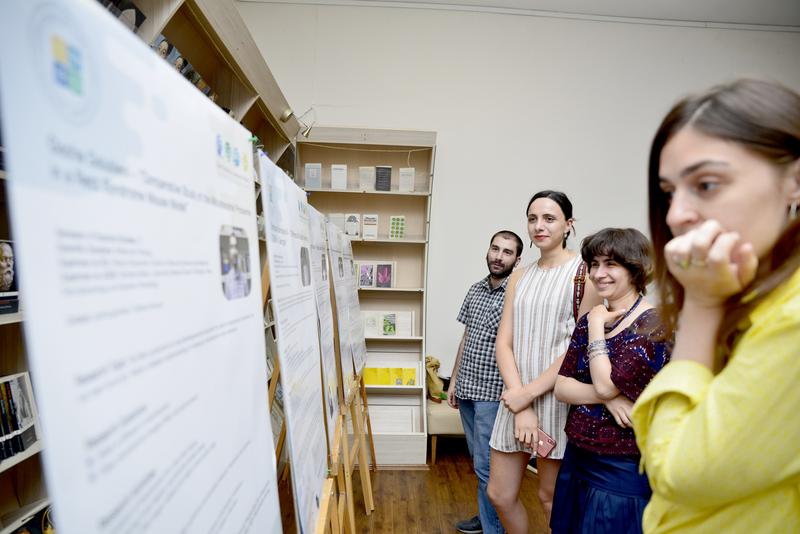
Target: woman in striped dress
x,y
534,333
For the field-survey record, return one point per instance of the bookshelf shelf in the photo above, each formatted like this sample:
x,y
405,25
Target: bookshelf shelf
x,y
393,289
8,463
395,390
394,338
10,318
363,151
413,240
368,192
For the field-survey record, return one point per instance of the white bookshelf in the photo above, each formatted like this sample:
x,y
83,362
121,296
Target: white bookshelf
x,y
397,412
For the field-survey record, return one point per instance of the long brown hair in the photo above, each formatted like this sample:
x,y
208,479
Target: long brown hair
x,y
763,117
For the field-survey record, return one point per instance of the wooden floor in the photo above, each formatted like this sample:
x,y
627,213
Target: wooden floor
x,y
423,501
432,501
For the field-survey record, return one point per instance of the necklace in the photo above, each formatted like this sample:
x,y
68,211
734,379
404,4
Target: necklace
x,y
616,323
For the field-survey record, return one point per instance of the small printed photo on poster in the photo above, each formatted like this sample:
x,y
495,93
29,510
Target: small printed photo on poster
x,y
234,253
366,277
305,267
383,275
341,267
324,267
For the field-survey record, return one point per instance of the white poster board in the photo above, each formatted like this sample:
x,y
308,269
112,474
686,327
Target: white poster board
x,y
322,289
134,219
293,300
342,270
357,342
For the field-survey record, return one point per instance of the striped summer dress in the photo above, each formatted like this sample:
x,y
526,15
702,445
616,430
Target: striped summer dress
x,y
543,324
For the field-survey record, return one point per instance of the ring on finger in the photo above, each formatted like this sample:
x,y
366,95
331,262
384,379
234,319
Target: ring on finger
x,y
681,262
697,262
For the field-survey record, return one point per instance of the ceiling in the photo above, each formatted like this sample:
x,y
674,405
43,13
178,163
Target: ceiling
x,y
777,13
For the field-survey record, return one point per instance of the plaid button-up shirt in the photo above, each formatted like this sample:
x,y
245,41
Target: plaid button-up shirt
x,y
478,376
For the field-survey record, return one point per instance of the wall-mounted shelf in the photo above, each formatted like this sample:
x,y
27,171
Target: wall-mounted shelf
x,y
11,318
368,192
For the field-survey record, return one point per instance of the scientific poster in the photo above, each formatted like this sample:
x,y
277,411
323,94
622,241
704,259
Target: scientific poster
x,y
357,343
134,224
322,289
294,302
343,275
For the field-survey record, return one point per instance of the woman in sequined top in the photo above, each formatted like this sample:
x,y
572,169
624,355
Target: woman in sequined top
x,y
616,349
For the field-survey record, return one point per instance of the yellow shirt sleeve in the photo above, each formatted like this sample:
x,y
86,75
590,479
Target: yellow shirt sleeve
x,y
708,440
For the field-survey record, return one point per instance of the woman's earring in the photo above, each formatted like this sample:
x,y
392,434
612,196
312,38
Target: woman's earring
x,y
531,244
793,210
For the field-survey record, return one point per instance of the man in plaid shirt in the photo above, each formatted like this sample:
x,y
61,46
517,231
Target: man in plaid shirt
x,y
476,384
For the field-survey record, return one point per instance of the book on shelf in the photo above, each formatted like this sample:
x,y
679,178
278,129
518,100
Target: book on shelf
x,y
172,55
313,175
339,177
337,219
384,274
352,224
2,148
406,183
17,415
126,12
369,226
366,178
383,178
366,274
397,227
388,323
9,293
376,273
390,376
40,523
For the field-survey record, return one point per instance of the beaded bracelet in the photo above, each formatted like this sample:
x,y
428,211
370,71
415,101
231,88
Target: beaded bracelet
x,y
597,344
595,353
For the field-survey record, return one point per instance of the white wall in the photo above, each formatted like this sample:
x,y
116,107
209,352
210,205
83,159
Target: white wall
x,y
519,104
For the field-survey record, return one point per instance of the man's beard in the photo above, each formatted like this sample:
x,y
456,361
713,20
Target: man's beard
x,y
502,274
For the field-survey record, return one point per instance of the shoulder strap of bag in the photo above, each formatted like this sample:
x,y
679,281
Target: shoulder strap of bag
x,y
577,291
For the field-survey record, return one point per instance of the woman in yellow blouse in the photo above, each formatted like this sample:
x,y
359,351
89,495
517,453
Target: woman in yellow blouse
x,y
719,427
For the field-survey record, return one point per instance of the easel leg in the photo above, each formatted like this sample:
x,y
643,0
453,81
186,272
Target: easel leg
x,y
374,464
363,462
348,477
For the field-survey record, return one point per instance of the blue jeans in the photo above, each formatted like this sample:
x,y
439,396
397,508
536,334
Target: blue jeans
x,y
478,420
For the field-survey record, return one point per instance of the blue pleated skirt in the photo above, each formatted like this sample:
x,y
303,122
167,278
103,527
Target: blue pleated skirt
x,y
598,494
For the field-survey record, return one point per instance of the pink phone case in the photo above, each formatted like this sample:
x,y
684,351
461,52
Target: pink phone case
x,y
545,445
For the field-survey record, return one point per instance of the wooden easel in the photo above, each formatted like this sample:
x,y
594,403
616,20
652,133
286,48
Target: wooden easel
x,y
343,457
328,521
